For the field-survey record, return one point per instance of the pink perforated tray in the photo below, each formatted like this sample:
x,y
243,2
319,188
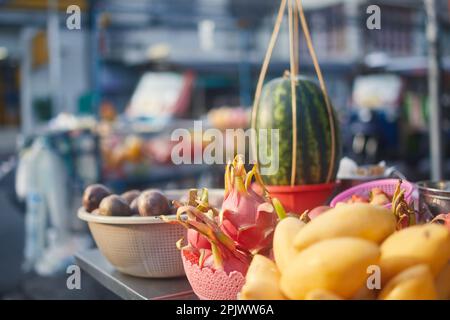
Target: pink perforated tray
x,y
211,284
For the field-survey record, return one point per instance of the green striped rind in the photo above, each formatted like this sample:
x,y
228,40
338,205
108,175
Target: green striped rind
x,y
313,131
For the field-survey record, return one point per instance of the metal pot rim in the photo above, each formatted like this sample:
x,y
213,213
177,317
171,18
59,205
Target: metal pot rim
x,y
421,186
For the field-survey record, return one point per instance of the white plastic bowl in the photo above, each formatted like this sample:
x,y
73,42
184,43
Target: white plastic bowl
x,y
138,246
141,246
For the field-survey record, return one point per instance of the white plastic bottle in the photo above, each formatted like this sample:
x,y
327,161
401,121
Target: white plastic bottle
x,y
35,216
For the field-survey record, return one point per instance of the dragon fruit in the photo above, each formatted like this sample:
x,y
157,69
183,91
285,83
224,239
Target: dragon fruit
x,y
403,211
223,253
443,219
194,238
247,217
228,239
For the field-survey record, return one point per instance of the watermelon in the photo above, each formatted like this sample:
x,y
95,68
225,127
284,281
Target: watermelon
x,y
314,163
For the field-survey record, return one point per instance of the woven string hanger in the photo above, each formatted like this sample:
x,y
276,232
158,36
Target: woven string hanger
x,y
295,11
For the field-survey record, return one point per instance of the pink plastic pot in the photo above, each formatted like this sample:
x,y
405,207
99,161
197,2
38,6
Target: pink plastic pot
x,y
209,284
387,185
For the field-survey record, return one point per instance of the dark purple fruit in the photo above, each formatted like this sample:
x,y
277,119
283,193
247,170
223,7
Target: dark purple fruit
x,y
173,210
152,203
129,196
114,205
134,207
93,195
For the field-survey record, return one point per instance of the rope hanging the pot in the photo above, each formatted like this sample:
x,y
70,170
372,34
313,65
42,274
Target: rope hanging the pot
x,y
295,11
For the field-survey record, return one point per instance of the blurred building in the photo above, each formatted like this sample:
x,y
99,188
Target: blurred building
x,y
47,68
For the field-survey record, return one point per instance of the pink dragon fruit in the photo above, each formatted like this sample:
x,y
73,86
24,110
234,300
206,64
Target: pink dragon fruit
x,y
247,217
443,219
403,211
194,238
223,253
227,240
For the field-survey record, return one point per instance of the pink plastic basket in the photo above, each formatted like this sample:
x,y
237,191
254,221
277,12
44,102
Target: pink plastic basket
x,y
211,284
387,185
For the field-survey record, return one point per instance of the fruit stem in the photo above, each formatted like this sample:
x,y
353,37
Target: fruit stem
x,y
248,178
260,181
218,261
179,244
305,217
192,197
227,178
202,258
203,204
255,173
279,209
239,184
204,197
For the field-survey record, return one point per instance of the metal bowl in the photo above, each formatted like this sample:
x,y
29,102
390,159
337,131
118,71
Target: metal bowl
x,y
434,199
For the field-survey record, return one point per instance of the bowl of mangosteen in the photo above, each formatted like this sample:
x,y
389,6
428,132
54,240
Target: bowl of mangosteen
x,y
133,230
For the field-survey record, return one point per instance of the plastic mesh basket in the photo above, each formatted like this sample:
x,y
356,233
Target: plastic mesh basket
x,y
138,246
387,185
211,284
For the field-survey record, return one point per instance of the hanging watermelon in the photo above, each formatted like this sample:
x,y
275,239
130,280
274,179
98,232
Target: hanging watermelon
x,y
317,133
309,146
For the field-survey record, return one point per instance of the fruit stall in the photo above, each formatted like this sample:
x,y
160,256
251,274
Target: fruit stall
x,y
328,252
319,228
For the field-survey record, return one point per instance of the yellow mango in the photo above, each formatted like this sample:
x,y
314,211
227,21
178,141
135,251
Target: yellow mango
x,y
283,240
262,281
364,293
337,265
320,294
358,220
415,283
443,283
428,244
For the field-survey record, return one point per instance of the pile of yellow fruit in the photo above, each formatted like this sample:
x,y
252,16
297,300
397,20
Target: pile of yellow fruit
x,y
352,251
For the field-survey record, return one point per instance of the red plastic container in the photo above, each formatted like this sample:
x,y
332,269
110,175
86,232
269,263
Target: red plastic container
x,y
297,199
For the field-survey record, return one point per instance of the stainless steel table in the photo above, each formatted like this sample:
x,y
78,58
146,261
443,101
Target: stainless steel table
x,y
132,288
